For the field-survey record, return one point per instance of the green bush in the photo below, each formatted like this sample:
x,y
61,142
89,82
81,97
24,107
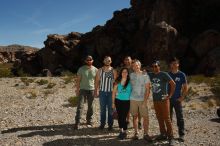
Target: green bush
x,y
73,100
27,81
42,82
68,79
5,72
50,85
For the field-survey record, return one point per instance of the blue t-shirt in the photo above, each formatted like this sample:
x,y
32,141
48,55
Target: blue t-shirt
x,y
159,83
180,79
124,93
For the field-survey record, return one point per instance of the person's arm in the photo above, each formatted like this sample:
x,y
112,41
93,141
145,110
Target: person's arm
x,y
147,93
115,74
97,82
114,95
172,88
184,92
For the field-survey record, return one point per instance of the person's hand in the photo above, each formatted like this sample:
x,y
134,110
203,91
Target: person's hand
x,y
144,104
113,106
180,99
96,93
77,92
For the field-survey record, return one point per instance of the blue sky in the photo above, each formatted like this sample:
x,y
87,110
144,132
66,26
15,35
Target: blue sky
x,y
28,22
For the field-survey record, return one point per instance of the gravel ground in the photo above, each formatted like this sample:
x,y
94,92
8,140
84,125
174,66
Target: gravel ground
x,y
36,115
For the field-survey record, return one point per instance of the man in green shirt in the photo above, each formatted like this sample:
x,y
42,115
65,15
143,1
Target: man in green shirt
x,y
85,86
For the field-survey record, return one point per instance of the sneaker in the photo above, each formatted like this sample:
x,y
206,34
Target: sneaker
x,y
110,128
76,127
135,137
171,142
161,137
147,138
120,135
101,127
89,124
181,138
139,125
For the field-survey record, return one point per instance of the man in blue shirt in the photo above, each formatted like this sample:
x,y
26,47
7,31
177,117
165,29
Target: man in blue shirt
x,y
180,91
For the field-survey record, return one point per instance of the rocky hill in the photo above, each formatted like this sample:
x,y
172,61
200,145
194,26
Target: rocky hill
x,y
188,29
10,53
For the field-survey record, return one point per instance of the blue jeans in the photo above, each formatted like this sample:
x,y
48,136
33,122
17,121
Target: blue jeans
x,y
105,99
177,106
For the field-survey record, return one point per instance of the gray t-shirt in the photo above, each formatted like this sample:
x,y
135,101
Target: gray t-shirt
x,y
160,84
138,84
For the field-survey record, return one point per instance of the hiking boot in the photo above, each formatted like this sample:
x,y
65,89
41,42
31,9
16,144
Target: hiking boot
x,y
135,137
101,127
139,125
161,137
171,142
147,138
76,127
89,124
120,135
181,138
124,135
110,128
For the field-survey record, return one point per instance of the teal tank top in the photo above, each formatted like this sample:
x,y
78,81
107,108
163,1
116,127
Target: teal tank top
x,y
124,94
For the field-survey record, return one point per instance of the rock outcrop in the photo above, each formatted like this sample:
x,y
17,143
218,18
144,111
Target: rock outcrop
x,y
9,54
148,29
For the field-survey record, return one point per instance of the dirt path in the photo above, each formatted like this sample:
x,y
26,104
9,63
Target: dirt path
x,y
38,115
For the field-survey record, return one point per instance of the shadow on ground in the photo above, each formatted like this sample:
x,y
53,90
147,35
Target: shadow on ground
x,y
80,137
217,120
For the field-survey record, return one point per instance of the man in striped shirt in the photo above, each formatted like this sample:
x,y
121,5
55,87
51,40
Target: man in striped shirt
x,y
103,87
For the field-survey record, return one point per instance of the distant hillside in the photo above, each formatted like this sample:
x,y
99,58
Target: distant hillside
x,y
17,48
13,52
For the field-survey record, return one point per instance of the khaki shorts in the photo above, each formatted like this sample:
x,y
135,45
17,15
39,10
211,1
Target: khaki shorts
x,y
136,106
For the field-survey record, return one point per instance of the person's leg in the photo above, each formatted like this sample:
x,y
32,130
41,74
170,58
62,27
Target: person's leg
x,y
134,113
139,120
126,107
79,107
143,111
166,117
171,109
179,115
90,99
102,100
159,115
119,109
109,106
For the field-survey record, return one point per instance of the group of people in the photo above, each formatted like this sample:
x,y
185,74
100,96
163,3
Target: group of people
x,y
128,90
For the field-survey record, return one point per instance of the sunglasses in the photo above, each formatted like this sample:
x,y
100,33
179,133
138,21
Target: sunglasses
x,y
89,60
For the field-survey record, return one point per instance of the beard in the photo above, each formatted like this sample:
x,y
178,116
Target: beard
x,y
89,63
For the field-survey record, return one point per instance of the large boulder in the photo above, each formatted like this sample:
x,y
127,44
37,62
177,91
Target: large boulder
x,y
148,29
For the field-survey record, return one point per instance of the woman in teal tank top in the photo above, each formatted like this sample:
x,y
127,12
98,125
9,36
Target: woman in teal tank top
x,y
121,100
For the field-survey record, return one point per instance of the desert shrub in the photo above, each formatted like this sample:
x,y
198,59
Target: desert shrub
x,y
42,82
50,85
68,79
27,81
67,73
47,92
32,94
73,100
5,72
20,72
